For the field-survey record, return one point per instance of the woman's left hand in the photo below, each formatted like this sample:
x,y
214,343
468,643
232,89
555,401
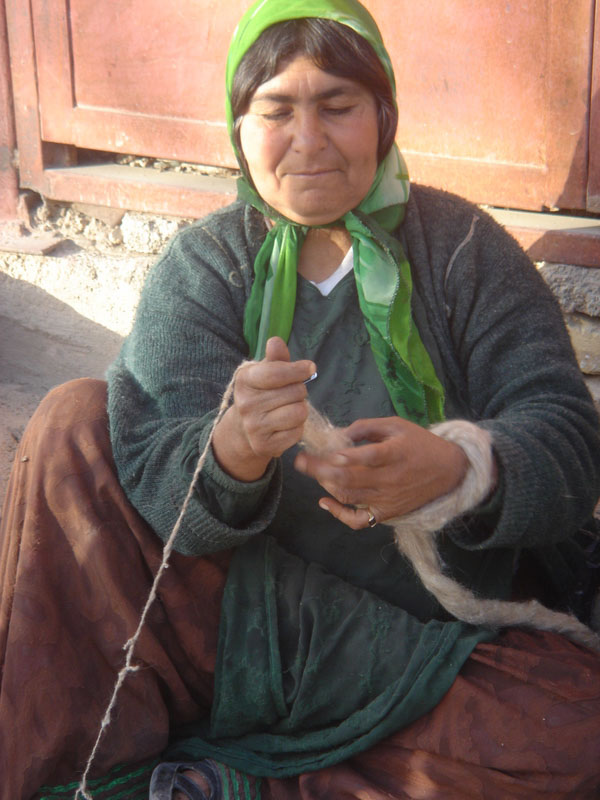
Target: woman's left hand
x,y
401,467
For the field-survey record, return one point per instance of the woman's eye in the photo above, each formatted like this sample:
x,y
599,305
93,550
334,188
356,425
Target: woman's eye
x,y
275,116
338,111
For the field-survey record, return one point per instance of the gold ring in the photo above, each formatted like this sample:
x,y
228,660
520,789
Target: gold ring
x,y
372,521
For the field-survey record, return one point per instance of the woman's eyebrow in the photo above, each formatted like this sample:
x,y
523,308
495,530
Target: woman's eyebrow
x,y
280,97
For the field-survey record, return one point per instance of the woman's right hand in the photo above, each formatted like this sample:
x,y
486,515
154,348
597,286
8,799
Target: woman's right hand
x,y
268,413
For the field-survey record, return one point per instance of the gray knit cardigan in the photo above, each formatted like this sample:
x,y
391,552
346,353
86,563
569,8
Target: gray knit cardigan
x,y
492,328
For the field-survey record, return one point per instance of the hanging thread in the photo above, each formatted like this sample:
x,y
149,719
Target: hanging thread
x,y
129,647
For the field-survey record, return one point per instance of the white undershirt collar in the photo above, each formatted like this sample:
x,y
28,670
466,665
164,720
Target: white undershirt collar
x,y
327,286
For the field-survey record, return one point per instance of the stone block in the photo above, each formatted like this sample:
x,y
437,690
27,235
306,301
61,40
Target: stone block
x,y
593,385
585,337
577,288
145,233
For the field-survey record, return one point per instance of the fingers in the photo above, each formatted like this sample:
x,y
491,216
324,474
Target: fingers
x,y
349,483
268,375
271,430
276,370
269,399
375,474
353,468
261,401
267,415
379,429
355,518
401,468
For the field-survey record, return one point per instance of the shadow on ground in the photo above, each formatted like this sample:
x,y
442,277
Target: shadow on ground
x,y
43,343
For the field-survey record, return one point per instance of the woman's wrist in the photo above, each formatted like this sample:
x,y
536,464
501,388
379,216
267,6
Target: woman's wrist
x,y
455,468
476,484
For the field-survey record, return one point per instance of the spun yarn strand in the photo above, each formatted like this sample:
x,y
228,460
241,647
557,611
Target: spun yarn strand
x,y
129,646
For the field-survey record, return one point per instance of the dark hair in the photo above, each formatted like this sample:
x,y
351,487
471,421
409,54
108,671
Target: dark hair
x,y
334,48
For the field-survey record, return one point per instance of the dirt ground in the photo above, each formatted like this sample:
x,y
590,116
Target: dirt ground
x,y
63,315
43,342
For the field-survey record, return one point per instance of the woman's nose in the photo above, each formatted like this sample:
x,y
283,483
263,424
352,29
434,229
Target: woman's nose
x,y
309,133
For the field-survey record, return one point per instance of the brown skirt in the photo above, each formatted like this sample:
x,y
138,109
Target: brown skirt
x,y
522,719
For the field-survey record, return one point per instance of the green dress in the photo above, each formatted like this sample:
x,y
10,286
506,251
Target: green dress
x,y
322,652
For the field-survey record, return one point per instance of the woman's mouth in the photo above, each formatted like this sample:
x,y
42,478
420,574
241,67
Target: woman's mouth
x,y
312,173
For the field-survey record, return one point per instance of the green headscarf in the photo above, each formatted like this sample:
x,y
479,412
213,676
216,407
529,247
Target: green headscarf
x,y
381,270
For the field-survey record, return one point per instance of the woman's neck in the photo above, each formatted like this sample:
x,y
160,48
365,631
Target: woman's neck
x,y
322,252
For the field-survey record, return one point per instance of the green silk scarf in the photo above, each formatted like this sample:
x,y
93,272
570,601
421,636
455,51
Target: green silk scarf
x,y
381,269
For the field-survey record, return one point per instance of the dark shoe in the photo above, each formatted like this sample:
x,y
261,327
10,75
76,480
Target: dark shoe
x,y
168,778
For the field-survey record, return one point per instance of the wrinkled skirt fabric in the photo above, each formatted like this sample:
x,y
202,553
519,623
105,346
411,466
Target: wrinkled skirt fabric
x,y
522,720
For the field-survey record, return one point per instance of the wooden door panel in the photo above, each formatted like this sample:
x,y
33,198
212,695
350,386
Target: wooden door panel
x,y
494,98
494,95
144,77
593,186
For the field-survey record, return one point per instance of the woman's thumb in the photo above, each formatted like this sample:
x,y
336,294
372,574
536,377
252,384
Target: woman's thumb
x,y
276,350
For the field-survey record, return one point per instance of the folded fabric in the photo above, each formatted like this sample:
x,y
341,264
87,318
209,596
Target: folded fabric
x,y
312,670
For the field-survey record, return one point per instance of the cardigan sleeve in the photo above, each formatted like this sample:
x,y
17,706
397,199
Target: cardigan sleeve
x,y
168,380
510,367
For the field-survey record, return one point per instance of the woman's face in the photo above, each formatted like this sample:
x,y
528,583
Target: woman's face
x,y
310,141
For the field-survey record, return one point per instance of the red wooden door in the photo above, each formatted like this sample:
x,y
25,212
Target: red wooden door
x,y
496,97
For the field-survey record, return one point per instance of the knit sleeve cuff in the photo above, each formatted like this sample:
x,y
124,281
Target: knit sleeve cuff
x,y
236,504
230,500
236,499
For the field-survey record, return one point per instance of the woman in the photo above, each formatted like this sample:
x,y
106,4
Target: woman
x,y
292,653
